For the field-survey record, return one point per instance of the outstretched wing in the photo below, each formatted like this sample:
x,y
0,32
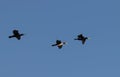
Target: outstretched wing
x,y
60,46
15,32
11,36
83,41
58,41
80,36
22,34
18,37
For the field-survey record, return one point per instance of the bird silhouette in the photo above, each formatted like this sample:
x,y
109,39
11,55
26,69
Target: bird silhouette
x,y
81,38
16,34
59,44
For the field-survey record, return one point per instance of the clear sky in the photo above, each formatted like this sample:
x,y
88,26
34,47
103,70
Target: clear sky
x,y
45,21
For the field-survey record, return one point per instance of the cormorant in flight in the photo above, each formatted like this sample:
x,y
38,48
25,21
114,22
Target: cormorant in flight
x,y
59,44
16,34
82,38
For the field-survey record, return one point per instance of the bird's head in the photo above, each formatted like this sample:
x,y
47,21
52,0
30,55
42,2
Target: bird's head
x,y
64,42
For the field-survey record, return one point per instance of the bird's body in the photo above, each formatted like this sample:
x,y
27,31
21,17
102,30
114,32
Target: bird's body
x,y
82,38
16,34
59,44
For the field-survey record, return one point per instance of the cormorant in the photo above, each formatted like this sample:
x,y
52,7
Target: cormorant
x,y
82,38
59,44
16,34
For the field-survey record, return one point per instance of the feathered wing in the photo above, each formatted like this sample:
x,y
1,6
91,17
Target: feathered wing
x,y
80,36
83,41
58,42
11,36
18,37
22,34
15,32
53,44
60,46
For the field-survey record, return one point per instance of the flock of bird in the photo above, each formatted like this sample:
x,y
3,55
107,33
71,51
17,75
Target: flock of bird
x,y
80,37
58,43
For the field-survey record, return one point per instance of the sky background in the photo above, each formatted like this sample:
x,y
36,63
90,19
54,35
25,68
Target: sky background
x,y
45,21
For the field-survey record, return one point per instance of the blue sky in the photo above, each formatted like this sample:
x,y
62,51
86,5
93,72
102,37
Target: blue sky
x,y
45,21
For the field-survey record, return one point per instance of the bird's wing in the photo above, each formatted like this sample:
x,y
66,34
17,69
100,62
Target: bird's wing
x,y
18,37
15,32
60,46
53,44
80,36
58,41
83,41
22,34
11,36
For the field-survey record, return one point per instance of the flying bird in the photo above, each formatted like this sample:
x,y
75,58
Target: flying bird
x,y
59,44
81,38
16,34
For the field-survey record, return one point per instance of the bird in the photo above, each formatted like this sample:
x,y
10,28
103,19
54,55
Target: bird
x,y
59,44
81,38
16,34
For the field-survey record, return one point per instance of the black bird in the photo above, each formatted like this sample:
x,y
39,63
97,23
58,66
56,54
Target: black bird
x,y
82,38
16,34
59,44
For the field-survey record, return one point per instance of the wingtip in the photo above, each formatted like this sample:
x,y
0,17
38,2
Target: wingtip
x,y
75,39
53,45
9,36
